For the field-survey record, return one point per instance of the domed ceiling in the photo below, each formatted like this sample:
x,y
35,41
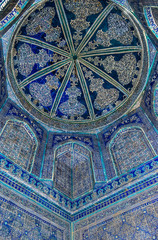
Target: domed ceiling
x,y
78,120
77,64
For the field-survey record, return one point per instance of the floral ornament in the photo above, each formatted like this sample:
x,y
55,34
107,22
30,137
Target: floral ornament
x,y
42,23
26,59
52,82
127,68
118,29
104,96
72,107
82,9
41,93
54,79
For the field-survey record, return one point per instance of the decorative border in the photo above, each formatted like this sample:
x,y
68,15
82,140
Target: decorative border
x,y
3,4
150,20
13,14
142,185
44,191
20,6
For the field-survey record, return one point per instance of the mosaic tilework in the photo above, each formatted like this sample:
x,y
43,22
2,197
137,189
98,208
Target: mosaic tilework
x,y
130,148
138,223
32,221
20,6
73,171
126,74
104,99
3,4
41,93
62,171
18,143
80,224
116,30
17,223
97,28
72,105
42,23
36,196
118,184
13,14
122,206
26,59
136,119
82,20
36,191
150,20
83,178
12,112
88,140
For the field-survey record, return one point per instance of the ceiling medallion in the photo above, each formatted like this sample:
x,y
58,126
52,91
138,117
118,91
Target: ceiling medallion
x,y
78,65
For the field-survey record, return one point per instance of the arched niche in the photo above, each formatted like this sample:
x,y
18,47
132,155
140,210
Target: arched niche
x,y
73,170
130,148
18,143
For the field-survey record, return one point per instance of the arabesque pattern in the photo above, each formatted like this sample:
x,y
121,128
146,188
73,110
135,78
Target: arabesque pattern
x,y
68,59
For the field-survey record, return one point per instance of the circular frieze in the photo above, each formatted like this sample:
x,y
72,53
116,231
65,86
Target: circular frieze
x,y
78,65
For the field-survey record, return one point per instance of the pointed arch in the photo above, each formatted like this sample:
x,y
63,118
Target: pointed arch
x,y
129,148
18,143
73,171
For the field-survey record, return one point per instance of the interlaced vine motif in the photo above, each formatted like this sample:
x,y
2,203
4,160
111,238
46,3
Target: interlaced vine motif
x,y
104,96
82,9
60,65
127,68
42,23
72,107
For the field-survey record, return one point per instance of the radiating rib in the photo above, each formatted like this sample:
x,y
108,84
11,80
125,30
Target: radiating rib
x,y
62,88
85,90
41,44
64,25
44,72
94,27
104,76
113,50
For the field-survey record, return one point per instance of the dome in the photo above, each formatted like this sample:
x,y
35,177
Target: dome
x,y
78,73
78,119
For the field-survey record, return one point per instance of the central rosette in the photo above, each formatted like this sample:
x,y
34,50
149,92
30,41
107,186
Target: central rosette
x,y
75,57
77,62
